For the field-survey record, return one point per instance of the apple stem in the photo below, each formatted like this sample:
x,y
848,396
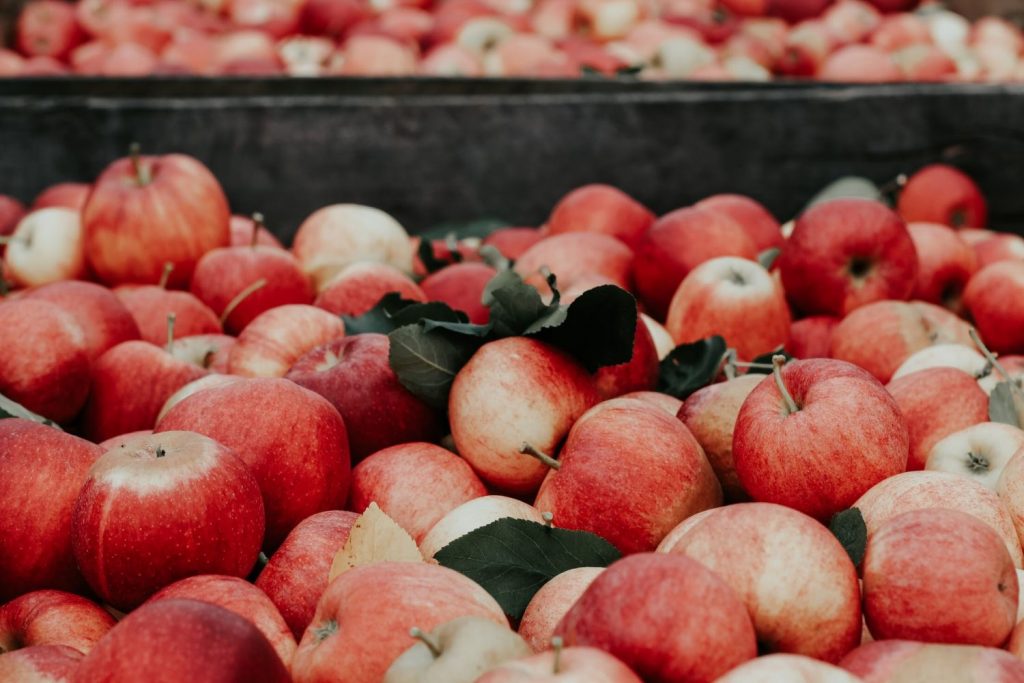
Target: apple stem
x,y
556,644
729,367
166,275
993,361
141,177
778,360
548,518
171,317
527,449
425,639
240,297
257,223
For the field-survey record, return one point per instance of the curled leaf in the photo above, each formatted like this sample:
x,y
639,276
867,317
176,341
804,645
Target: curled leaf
x,y
374,537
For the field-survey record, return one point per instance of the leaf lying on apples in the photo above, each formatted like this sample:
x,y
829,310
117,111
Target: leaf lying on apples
x,y
9,408
1002,407
690,367
513,558
848,526
426,361
374,537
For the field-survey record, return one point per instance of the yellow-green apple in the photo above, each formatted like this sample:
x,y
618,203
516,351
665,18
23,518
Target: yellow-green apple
x,y
183,640
513,242
845,253
103,318
473,515
811,337
588,490
602,209
732,297
939,193
756,221
665,616
416,484
243,229
208,351
52,617
241,597
663,341
944,264
800,587
461,286
362,621
779,455
297,572
206,516
980,452
358,287
339,235
937,402
457,651
144,212
1010,488
45,364
670,404
992,247
228,280
924,490
1001,325
575,256
880,336
275,339
354,374
905,661
564,665
969,599
300,458
958,356
46,246
516,390
40,664
639,373
785,667
550,604
677,243
44,468
151,304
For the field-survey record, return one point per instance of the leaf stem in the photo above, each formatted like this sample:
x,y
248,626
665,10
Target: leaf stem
x,y
527,449
778,360
166,275
419,635
141,177
729,364
240,297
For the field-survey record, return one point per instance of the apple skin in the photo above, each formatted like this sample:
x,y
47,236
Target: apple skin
x,y
942,194
103,318
1000,325
46,246
575,665
514,390
958,356
550,604
151,305
11,213
632,508
780,457
910,594
979,452
786,667
472,515
362,620
601,209
639,373
845,253
576,256
751,215
183,640
859,64
732,297
207,351
513,242
296,575
358,288
634,611
40,664
1010,488
937,402
241,597
51,617
68,195
676,244
922,490
461,286
904,661
206,516
132,229
300,458
354,374
670,404
275,339
811,337
416,484
45,366
945,264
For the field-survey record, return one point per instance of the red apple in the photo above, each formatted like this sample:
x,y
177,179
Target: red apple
x,y
51,617
783,667
46,246
67,195
995,247
811,337
851,21
958,356
358,288
639,373
807,46
103,318
602,209
331,18
860,64
550,604
987,300
208,351
246,52
513,242
461,286
567,665
892,661
276,338
47,28
277,18
573,257
942,194
945,264
150,305
472,515
242,229
374,55
40,664
760,226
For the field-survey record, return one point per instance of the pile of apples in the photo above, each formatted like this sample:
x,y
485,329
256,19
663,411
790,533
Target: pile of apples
x,y
747,40
208,473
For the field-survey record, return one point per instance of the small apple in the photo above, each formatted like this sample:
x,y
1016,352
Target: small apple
x,y
811,337
945,264
860,64
472,515
939,193
245,232
980,452
601,209
103,318
573,257
151,304
47,28
751,215
958,356
986,296
46,246
461,286
513,242
67,195
272,342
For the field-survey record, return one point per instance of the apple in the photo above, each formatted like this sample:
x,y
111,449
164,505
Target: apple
x,y
449,59
457,651
601,209
868,256
787,667
893,661
246,52
911,594
144,212
1010,488
472,515
900,30
811,337
151,304
47,28
638,374
46,246
751,215
238,596
416,484
980,452
939,193
40,664
513,242
183,640
851,21
374,55
957,356
45,365
550,604
116,441
246,231
859,64
945,264
807,45
732,297
272,342
1000,325
575,256
104,320
208,351
924,490
996,247
363,618
357,288
67,195
676,244
207,516
299,458
52,617
665,616
331,18
11,213
461,286
563,665
276,18
516,390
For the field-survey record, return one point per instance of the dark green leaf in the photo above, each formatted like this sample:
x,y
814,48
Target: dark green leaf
x,y
766,360
513,558
426,363
598,328
767,257
1001,405
469,329
690,367
432,310
379,318
848,526
515,305
9,408
480,228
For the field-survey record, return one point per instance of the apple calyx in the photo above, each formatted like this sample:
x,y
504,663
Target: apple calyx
x,y
418,634
240,297
557,644
994,363
325,630
171,317
528,449
976,463
778,360
142,176
257,223
165,275
160,452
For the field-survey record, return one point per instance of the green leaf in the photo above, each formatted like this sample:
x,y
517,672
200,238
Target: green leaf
x,y
9,408
766,360
426,362
460,230
515,305
767,257
1001,405
598,328
848,526
690,367
513,558
379,318
431,310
